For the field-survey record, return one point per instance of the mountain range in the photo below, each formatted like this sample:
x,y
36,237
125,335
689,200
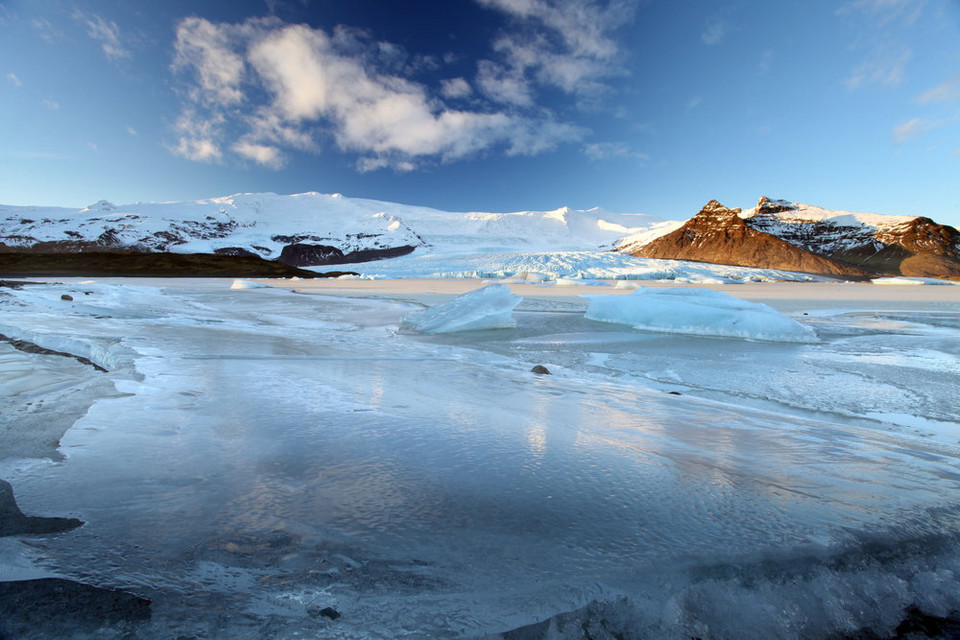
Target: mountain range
x,y
276,235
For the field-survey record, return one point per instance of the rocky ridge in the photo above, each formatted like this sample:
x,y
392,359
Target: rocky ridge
x,y
783,235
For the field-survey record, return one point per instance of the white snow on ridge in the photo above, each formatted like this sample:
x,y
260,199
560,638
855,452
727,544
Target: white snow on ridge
x,y
809,213
266,222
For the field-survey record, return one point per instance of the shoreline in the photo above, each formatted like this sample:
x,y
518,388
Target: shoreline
x,y
784,296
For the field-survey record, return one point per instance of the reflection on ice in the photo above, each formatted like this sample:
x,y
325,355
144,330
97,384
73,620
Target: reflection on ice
x,y
302,454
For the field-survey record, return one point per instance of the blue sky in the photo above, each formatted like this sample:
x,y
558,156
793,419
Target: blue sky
x,y
650,106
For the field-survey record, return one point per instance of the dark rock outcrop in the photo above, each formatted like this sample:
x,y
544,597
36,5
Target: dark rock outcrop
x,y
300,254
15,522
719,235
58,608
26,264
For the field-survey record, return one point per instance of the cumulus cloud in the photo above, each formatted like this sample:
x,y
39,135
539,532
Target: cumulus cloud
x,y
206,49
262,154
14,80
557,44
263,86
455,88
198,136
504,85
198,149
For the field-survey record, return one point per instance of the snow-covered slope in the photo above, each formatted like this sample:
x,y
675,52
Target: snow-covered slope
x,y
316,230
273,226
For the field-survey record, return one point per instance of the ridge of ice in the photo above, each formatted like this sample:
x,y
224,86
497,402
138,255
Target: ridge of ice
x,y
701,312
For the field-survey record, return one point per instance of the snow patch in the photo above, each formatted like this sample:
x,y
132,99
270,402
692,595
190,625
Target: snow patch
x,y
248,284
900,281
701,312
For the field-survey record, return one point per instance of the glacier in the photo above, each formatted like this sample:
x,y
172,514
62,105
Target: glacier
x,y
257,456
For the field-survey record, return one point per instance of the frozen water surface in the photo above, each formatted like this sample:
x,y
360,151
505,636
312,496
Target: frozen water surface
x,y
272,454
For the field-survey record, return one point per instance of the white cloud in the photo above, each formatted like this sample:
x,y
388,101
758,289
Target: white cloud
x,y
455,88
107,33
47,31
198,136
556,43
903,12
265,155
14,80
53,105
504,85
584,25
694,102
130,130
880,28
884,68
947,91
715,31
612,150
198,149
205,47
915,127
271,85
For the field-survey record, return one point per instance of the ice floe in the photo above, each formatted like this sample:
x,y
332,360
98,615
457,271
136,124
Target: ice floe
x,y
702,312
488,308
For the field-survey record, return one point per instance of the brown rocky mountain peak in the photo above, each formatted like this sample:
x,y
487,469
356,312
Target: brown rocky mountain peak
x,y
719,235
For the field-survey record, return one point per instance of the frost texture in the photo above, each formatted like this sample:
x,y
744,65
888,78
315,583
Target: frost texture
x,y
702,312
488,308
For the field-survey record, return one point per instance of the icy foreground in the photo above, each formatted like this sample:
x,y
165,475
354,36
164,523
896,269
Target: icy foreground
x,y
273,455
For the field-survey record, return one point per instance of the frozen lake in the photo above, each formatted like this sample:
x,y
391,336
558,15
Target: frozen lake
x,y
276,451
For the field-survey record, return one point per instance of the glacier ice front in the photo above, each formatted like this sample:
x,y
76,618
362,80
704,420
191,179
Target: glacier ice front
x,y
702,312
488,308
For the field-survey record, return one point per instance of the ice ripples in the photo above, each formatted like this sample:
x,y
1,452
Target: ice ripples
x,y
431,486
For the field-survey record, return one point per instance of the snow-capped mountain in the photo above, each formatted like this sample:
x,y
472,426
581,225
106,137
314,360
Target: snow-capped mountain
x,y
798,237
309,229
318,230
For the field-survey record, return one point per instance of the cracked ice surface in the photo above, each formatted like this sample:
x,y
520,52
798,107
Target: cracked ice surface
x,y
271,454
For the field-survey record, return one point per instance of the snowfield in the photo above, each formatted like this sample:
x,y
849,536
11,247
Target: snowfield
x,y
263,453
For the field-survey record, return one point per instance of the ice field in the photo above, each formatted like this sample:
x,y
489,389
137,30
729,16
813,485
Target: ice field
x,y
265,453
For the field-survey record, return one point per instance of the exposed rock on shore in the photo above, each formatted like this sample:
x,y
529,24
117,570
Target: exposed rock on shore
x,y
14,522
106,264
57,608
